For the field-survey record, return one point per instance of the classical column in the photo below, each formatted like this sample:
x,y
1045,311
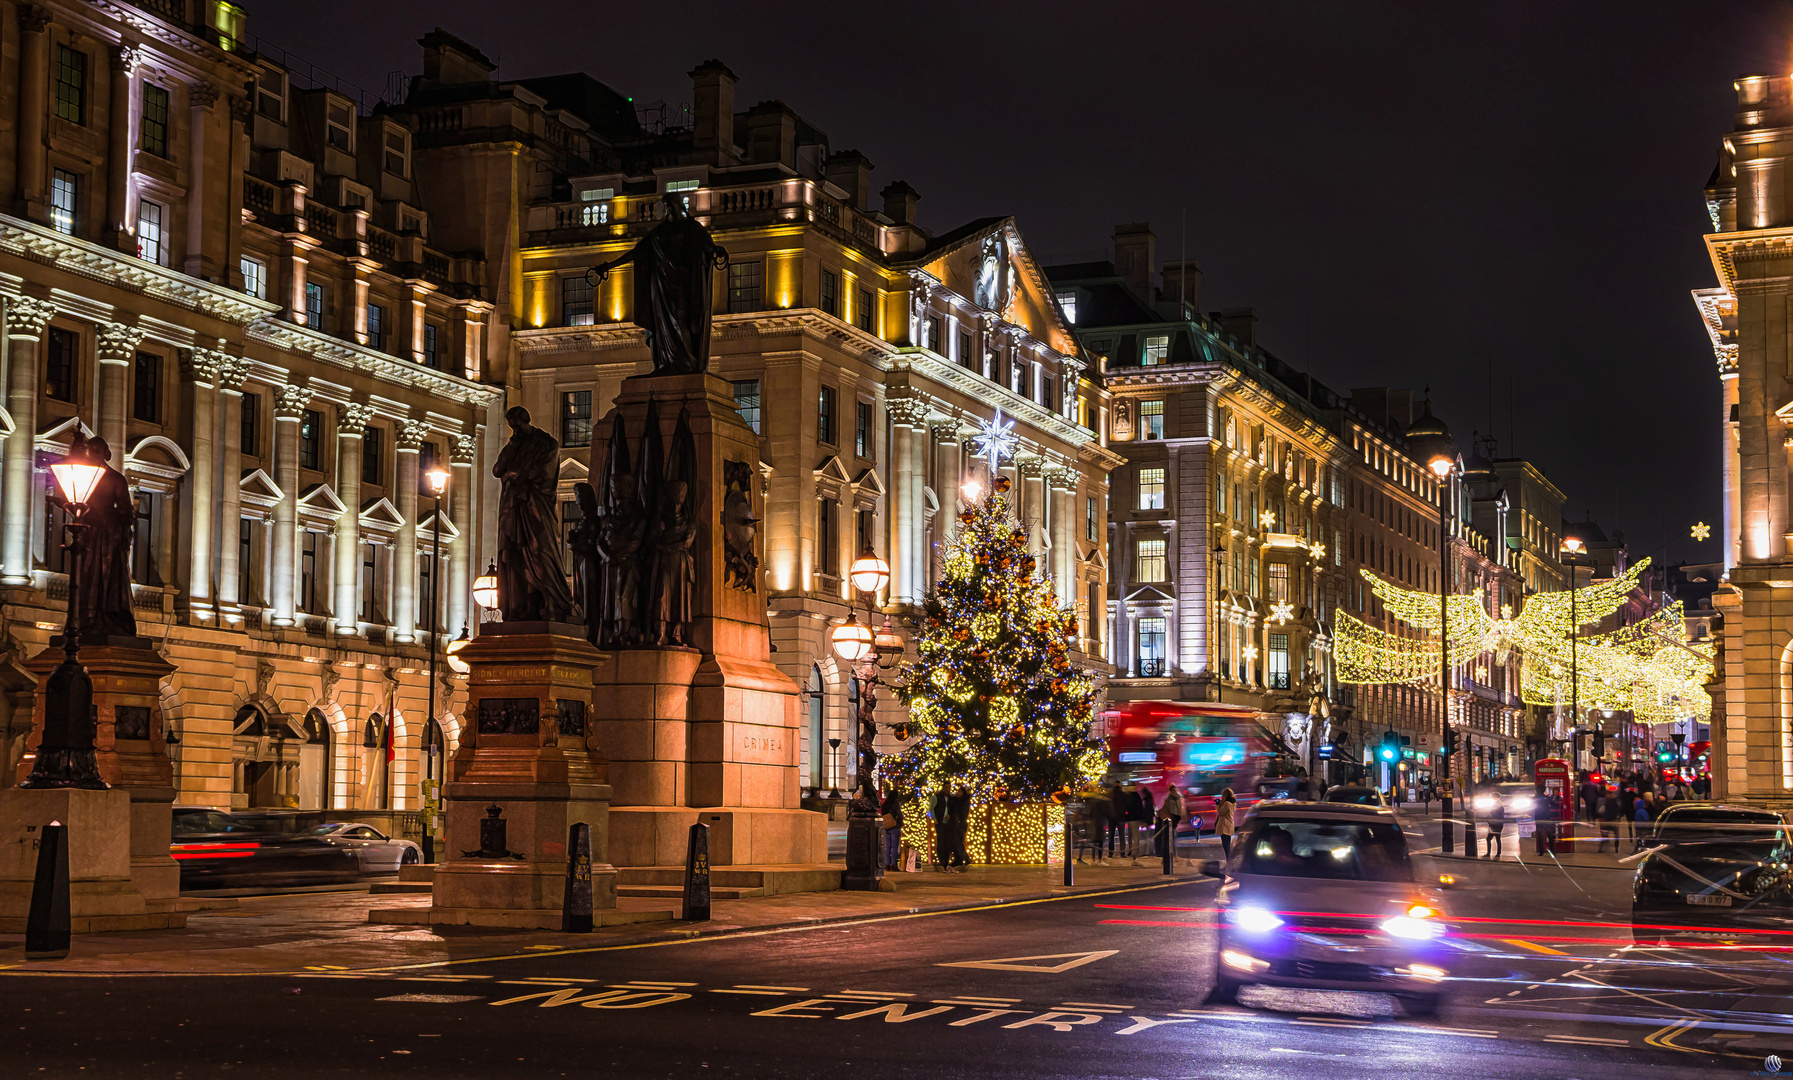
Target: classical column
x,y
200,98
909,418
416,305
462,493
236,156
34,88
283,563
230,493
351,430
120,119
26,318
404,560
1064,533
117,346
358,316
1033,502
201,368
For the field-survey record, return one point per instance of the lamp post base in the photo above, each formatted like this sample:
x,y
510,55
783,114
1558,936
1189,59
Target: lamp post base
x,y
865,854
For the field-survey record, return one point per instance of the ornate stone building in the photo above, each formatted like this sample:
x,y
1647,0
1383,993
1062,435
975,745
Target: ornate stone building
x,y
865,350
230,275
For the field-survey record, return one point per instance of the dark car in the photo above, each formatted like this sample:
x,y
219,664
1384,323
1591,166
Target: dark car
x,y
1351,793
1684,823
1732,888
220,850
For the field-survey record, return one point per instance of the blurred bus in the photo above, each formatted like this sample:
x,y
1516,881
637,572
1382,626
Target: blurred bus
x,y
1202,748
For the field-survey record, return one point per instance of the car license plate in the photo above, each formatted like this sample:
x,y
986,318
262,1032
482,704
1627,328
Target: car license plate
x,y
1709,899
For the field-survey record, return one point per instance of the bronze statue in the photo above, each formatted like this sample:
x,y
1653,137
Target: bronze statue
x,y
532,587
675,530
621,529
674,267
104,595
740,557
587,567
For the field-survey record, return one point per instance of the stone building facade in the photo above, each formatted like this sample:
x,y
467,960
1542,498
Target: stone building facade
x,y
866,350
231,276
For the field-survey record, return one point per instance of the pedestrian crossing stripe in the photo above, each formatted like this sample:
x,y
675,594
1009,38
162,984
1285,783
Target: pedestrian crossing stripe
x,y
1068,960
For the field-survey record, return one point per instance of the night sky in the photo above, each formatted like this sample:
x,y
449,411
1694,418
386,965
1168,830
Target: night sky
x,y
1460,195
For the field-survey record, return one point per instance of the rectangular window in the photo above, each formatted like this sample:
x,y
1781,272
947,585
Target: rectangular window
x,y
862,430
933,331
1152,647
397,153
270,95
1279,582
432,347
245,560
372,454
575,302
376,327
311,426
1151,489
744,286
150,245
71,84
825,543
831,292
255,277
747,402
1067,303
1220,498
155,120
1148,562
60,365
575,418
1151,419
825,416
143,541
1090,519
1047,386
967,358
1157,349
370,583
1252,580
865,310
146,390
1279,662
249,426
339,127
308,572
65,201
570,517
314,305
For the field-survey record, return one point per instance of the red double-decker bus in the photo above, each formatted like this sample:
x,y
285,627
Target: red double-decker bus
x,y
1202,748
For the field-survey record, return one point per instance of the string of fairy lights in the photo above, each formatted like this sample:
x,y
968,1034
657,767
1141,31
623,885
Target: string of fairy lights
x,y
1648,668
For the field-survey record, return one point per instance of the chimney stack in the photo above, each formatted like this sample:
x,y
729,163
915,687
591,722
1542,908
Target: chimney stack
x,y
1183,281
772,134
899,202
1135,256
447,60
713,111
851,171
1241,323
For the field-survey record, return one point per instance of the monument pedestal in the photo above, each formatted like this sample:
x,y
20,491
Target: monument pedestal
x,y
131,746
526,750
707,733
102,895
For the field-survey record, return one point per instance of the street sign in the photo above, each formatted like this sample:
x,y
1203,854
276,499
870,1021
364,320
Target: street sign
x,y
1325,751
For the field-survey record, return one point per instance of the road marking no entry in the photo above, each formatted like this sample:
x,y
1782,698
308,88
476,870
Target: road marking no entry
x,y
1067,961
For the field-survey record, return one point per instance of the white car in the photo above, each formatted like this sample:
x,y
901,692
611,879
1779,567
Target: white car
x,y
376,852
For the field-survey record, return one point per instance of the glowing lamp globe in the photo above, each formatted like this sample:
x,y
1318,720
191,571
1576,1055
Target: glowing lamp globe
x,y
851,641
455,663
1572,545
1440,466
77,475
485,587
972,490
869,573
437,479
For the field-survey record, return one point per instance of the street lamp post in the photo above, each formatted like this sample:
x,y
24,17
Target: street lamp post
x,y
437,478
865,653
1444,466
1219,625
1575,556
66,755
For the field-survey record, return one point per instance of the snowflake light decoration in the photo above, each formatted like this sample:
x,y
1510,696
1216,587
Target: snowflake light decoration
x,y
1281,612
1267,519
1701,531
997,439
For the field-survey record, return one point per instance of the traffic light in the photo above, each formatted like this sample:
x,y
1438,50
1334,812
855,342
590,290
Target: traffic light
x,y
1599,745
1664,755
1391,745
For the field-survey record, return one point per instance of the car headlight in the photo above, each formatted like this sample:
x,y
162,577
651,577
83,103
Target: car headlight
x,y
1524,804
1254,920
1419,923
1484,803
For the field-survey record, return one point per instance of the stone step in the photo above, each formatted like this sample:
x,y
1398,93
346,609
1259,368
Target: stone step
x,y
417,872
677,892
771,879
384,887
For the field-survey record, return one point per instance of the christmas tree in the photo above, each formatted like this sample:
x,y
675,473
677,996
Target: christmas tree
x,y
994,701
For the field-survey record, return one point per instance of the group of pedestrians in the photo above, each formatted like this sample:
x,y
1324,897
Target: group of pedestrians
x,y
1620,804
1119,819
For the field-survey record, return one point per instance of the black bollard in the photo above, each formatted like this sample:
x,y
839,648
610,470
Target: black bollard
x,y
1170,844
575,909
1070,842
47,923
697,874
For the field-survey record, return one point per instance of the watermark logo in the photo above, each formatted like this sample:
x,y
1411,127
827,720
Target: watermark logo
x,y
1771,1066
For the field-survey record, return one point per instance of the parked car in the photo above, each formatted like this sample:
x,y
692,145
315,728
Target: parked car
x,y
376,852
1323,896
1685,823
217,849
1351,793
1730,888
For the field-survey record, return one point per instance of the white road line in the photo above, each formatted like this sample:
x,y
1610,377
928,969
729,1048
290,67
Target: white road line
x,y
881,993
1587,1039
761,986
753,993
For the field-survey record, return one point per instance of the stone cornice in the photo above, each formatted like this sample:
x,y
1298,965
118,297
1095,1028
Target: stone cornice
x,y
304,341
32,241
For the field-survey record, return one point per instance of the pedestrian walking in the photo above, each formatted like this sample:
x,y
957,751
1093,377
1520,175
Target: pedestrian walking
x,y
1146,811
1223,821
1607,811
1171,811
1117,822
1098,820
891,818
1496,817
958,808
943,844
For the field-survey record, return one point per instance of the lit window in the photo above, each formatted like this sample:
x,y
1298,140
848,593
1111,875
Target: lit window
x,y
747,402
1090,519
255,277
575,418
1151,489
65,201
1157,349
150,247
1148,563
575,302
744,286
1151,419
597,194
1151,647
155,120
1067,302
1279,662
862,430
674,186
1279,581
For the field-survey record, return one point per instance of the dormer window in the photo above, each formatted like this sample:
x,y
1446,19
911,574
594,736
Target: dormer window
x,y
339,127
1067,302
270,95
398,152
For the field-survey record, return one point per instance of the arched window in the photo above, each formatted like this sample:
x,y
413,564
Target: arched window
x,y
818,755
374,734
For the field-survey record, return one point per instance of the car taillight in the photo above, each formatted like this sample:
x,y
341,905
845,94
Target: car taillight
x,y
213,851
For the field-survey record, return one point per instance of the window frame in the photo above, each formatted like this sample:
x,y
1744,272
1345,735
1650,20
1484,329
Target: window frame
x,y
68,81
376,326
146,387
575,418
1154,350
311,438
577,307
66,361
830,292
65,219
862,430
315,314
745,295
1151,552
152,244
1152,408
1149,483
254,284
826,421
373,456
155,129
739,388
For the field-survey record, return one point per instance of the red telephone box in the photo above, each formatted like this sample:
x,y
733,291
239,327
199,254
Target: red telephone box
x,y
1555,810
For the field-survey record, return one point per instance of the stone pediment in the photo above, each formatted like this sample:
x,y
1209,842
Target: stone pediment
x,y
1149,594
380,515
870,484
319,501
257,488
55,434
572,470
426,529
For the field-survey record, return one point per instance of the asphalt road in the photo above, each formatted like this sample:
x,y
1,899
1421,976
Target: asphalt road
x,y
1092,986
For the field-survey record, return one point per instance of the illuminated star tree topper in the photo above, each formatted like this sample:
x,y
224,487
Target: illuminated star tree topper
x,y
997,440
1701,531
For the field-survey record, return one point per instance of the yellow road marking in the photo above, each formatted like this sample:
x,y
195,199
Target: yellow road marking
x,y
1534,947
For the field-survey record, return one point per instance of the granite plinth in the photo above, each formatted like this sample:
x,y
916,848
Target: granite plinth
x,y
102,895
